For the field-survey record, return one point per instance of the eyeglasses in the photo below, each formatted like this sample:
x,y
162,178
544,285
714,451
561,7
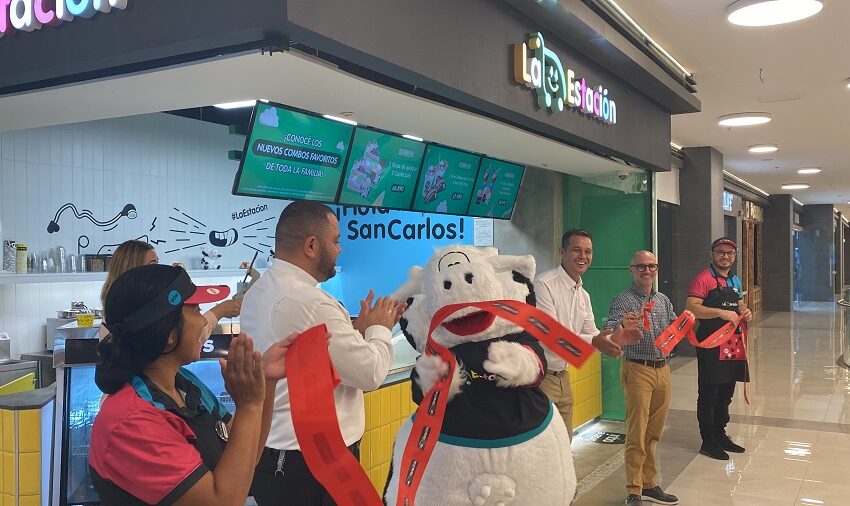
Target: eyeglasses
x,y
729,254
645,267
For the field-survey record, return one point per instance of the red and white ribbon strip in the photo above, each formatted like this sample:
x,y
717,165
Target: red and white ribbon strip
x,y
429,416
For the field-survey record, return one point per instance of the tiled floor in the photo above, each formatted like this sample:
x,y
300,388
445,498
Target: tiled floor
x,y
795,429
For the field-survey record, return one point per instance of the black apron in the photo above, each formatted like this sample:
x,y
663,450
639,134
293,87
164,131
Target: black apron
x,y
209,443
711,368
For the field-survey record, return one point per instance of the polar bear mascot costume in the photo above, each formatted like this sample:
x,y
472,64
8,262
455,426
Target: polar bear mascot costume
x,y
501,440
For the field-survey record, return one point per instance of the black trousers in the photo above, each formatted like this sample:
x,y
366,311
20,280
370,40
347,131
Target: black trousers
x,y
292,484
713,400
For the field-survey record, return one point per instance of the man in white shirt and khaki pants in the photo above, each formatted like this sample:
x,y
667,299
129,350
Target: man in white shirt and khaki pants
x,y
286,299
560,293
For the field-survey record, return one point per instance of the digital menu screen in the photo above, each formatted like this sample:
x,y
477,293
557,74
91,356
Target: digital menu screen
x,y
496,189
292,155
381,171
446,180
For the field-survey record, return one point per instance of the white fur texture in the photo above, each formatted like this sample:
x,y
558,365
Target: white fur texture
x,y
491,279
538,472
431,368
517,365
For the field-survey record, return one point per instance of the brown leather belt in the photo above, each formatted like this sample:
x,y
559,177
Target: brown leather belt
x,y
657,364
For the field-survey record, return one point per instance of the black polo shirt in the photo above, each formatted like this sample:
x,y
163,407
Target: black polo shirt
x,y
145,449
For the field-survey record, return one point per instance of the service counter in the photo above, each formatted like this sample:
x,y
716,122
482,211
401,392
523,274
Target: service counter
x,y
78,401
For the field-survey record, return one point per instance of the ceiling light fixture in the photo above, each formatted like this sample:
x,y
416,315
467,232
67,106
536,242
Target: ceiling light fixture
x,y
809,170
771,12
744,119
848,82
413,138
237,105
763,148
745,184
795,186
341,120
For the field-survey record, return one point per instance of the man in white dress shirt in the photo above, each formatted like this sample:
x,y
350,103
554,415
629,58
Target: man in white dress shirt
x,y
286,299
560,293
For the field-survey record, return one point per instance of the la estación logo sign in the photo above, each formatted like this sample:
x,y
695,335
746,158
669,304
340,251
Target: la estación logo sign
x,y
29,15
540,69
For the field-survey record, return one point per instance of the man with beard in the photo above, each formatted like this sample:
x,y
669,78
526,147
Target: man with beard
x,y
286,300
715,296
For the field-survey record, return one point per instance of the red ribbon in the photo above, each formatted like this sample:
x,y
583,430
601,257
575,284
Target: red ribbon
x,y
683,327
312,378
429,416
647,310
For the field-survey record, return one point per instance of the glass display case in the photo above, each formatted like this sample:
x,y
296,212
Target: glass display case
x,y
82,399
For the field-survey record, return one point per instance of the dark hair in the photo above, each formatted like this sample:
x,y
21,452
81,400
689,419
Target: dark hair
x,y
565,240
298,221
125,354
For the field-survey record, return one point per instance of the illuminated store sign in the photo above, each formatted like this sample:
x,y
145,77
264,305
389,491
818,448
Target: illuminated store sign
x,y
29,15
541,70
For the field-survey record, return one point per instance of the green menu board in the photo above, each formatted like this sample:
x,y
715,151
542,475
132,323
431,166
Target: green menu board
x,y
496,189
382,170
447,180
292,155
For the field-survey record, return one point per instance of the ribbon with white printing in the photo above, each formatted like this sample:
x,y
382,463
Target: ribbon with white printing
x,y
429,416
311,377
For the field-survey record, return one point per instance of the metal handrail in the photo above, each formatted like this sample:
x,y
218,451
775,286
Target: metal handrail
x,y
844,303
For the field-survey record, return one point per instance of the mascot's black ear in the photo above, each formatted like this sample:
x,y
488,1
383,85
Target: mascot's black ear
x,y
530,298
403,324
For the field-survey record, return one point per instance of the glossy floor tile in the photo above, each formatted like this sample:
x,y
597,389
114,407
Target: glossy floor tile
x,y
796,427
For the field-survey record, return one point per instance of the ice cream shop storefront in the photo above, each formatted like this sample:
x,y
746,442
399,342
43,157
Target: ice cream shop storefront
x,y
501,128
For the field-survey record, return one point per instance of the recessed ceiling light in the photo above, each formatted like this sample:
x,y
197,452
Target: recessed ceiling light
x,y
771,12
809,170
744,119
763,148
848,82
795,186
413,137
237,105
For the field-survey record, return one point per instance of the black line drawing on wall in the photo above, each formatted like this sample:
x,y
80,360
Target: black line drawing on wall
x,y
185,226
109,248
129,211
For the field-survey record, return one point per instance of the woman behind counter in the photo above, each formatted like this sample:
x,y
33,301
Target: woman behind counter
x,y
134,253
161,436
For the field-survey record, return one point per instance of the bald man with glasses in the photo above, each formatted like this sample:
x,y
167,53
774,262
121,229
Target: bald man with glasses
x,y
644,376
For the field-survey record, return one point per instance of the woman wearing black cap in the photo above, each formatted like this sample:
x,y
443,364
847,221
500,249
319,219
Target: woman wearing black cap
x,y
161,436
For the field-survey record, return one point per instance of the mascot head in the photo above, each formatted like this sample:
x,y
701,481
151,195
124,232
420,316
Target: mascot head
x,y
459,274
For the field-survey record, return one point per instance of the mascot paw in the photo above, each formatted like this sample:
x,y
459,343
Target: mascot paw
x,y
430,368
515,363
492,490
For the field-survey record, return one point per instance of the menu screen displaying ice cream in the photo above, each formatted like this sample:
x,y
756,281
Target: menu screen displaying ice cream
x,y
496,189
381,171
292,155
447,180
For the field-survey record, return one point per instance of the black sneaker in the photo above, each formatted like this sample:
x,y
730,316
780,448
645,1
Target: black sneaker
x,y
713,451
727,444
656,495
633,500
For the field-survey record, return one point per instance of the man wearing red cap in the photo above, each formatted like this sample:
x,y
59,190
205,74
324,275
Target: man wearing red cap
x,y
715,297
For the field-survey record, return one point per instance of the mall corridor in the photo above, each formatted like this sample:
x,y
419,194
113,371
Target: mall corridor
x,y
795,429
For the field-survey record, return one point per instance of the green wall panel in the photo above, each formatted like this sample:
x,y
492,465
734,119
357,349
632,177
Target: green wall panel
x,y
617,213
